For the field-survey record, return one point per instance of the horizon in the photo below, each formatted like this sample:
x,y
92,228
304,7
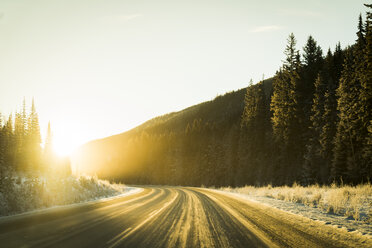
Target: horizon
x,y
102,73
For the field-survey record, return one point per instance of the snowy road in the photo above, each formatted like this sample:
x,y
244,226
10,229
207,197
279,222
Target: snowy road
x,y
170,217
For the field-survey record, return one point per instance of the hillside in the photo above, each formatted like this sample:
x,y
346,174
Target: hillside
x,y
310,123
137,155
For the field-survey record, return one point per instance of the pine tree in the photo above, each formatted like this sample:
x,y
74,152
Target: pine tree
x,y
286,126
9,144
291,54
310,101
331,72
2,147
354,117
357,169
313,60
313,55
48,147
313,159
328,132
365,98
48,155
253,133
34,141
336,65
287,119
344,151
20,138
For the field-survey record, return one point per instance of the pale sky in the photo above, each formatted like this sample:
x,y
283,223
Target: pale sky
x,y
101,67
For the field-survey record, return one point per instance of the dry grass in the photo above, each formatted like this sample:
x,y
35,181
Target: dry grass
x,y
341,200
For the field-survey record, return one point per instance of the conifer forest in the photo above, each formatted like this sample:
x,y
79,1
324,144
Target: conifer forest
x,y
310,123
21,150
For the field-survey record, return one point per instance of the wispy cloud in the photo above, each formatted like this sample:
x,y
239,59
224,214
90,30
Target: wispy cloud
x,y
300,13
128,17
269,28
120,18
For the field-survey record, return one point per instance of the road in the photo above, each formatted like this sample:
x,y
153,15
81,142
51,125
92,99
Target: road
x,y
168,217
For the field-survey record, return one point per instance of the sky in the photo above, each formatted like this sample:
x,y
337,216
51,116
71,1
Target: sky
x,y
101,67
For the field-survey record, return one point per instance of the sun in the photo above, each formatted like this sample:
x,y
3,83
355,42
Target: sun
x,y
65,143
63,149
68,135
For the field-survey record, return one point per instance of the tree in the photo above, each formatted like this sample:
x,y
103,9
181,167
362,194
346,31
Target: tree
x,y
313,159
291,53
253,134
332,68
33,141
312,54
285,124
365,98
9,144
313,61
2,147
49,156
287,117
344,151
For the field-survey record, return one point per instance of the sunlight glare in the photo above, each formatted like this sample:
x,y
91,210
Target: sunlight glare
x,y
66,140
64,148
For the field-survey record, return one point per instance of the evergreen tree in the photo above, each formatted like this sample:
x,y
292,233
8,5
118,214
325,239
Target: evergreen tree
x,y
309,108
313,60
9,144
344,151
33,141
291,53
49,157
351,143
365,98
328,133
358,168
331,72
336,65
286,121
312,53
48,147
253,134
20,138
313,158
2,147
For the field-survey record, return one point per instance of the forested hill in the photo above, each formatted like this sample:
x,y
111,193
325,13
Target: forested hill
x,y
311,123
161,150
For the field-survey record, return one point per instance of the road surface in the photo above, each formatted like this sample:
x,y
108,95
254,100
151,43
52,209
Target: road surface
x,y
168,217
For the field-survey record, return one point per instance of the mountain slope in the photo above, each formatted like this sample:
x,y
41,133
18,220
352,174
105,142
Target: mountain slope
x,y
177,148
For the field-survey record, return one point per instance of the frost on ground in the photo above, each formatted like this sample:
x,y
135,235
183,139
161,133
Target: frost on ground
x,y
345,207
21,194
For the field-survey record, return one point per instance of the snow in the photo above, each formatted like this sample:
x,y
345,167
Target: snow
x,y
20,194
314,213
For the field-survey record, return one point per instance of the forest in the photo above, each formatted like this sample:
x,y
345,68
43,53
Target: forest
x,y
21,150
310,123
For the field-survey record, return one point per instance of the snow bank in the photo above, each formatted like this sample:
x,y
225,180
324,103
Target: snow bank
x,y
342,207
20,194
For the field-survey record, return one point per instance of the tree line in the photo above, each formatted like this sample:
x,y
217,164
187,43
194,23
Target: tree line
x,y
310,123
321,112
21,152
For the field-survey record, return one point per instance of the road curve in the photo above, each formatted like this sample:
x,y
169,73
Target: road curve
x,y
169,217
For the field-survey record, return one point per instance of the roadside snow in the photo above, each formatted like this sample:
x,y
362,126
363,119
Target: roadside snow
x,y
19,194
316,214
128,191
